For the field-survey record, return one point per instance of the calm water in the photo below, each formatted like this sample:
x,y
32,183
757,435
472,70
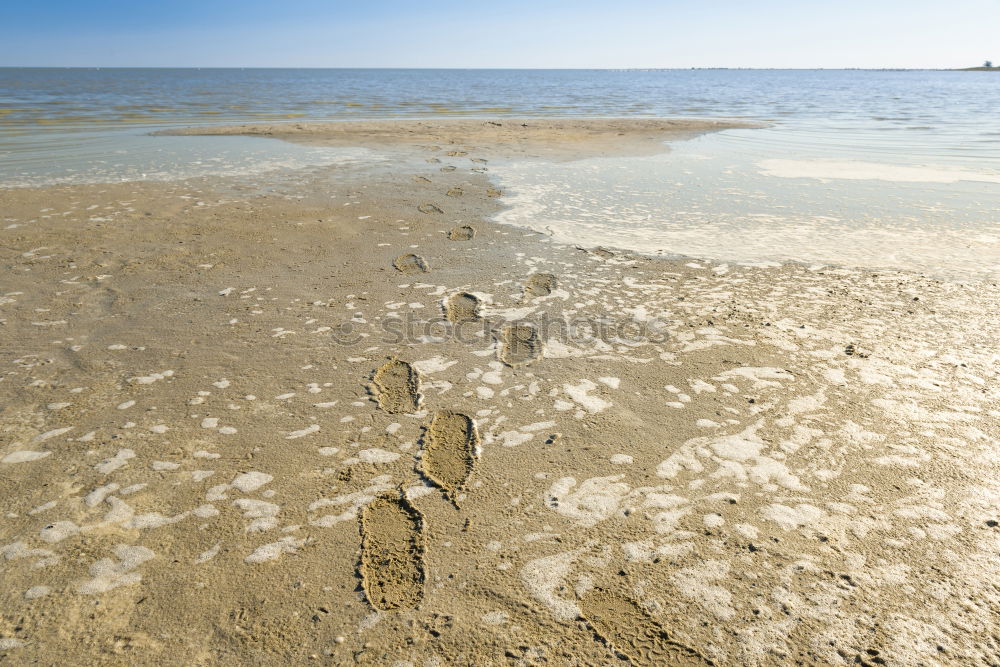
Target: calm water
x,y
854,158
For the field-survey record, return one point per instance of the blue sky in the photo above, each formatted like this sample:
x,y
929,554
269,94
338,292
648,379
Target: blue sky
x,y
509,33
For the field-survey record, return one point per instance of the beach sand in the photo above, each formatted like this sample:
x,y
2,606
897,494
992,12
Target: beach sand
x,y
343,418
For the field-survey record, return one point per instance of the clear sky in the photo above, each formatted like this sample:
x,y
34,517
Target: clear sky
x,y
504,33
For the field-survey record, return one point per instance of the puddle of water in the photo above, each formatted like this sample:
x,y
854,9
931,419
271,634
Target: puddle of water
x,y
750,197
112,157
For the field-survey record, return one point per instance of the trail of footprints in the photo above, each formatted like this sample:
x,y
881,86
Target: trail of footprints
x,y
392,566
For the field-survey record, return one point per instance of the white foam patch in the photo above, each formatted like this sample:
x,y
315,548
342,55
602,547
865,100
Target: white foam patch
x,y
108,574
208,554
543,577
697,584
250,481
151,378
18,550
154,520
739,456
612,382
97,496
274,550
309,430
263,513
433,365
376,455
36,592
511,438
580,393
760,377
352,501
51,434
593,501
114,463
24,456
872,171
790,518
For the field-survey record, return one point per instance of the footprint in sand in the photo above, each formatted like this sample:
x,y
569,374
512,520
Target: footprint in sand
x,y
478,160
450,445
421,179
493,192
479,170
397,387
429,208
603,253
520,344
456,192
392,553
449,168
629,629
540,284
462,307
433,160
463,233
411,263
456,153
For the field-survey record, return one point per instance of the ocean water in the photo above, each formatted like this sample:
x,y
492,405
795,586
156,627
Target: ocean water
x,y
879,169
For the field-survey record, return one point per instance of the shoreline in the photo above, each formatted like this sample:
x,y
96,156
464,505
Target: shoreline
x,y
213,393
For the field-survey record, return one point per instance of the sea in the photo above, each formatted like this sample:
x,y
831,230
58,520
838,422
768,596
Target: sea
x,y
874,169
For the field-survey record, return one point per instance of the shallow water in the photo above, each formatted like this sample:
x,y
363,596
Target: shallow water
x,y
110,157
731,197
934,114
877,169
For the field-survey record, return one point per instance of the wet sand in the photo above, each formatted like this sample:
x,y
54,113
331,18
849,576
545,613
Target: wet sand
x,y
343,418
473,139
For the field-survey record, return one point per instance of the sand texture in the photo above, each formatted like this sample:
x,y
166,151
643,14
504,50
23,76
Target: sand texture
x,y
552,138
632,632
292,421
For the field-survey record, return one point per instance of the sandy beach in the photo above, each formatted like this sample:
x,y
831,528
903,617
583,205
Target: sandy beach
x,y
345,418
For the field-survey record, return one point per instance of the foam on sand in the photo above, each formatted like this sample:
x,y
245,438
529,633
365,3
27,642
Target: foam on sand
x,y
872,171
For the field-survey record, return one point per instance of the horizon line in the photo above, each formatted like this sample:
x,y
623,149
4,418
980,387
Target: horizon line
x,y
604,69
